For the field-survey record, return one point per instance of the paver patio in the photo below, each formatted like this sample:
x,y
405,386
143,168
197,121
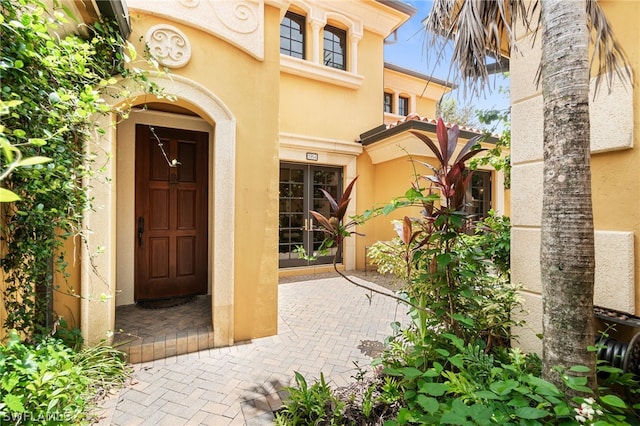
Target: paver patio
x,y
324,326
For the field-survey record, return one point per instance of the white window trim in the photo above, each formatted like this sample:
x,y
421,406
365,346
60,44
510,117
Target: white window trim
x,y
313,68
303,68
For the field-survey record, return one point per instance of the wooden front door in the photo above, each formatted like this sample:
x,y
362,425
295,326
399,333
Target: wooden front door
x,y
171,213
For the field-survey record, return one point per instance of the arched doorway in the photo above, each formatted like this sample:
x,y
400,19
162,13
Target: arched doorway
x,y
112,231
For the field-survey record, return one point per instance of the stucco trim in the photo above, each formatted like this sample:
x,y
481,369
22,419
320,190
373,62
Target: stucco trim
x,y
97,320
611,114
308,69
292,140
614,270
240,22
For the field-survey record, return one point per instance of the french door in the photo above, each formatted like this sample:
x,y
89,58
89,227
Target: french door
x,y
300,186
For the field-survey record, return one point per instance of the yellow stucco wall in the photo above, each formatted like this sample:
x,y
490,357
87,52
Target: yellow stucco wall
x,y
256,301
248,93
615,178
325,110
616,181
66,285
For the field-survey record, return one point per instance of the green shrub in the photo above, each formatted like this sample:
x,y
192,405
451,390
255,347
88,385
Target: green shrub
x,y
481,389
310,405
49,383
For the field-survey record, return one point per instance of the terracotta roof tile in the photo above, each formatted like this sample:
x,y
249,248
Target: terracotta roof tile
x,y
416,117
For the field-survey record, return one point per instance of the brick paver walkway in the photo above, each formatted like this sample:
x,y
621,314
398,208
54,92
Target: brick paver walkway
x,y
322,323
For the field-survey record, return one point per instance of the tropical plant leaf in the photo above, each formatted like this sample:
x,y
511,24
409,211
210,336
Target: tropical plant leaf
x,y
427,165
332,201
443,140
406,230
345,199
14,403
452,134
7,196
467,147
470,154
613,401
432,146
30,161
531,413
322,221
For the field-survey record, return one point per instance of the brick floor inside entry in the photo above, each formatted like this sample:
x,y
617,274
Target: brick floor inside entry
x,y
150,334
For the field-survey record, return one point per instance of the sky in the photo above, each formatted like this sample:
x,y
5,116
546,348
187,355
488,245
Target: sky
x,y
409,52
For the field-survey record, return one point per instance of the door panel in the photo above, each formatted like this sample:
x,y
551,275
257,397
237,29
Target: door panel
x,y
300,186
171,213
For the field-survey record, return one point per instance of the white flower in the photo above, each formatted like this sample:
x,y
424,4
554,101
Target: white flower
x,y
585,411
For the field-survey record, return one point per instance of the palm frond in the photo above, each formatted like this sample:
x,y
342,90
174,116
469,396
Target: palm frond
x,y
608,53
477,29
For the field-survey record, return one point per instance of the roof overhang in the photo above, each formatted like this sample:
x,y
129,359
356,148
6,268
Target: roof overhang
x,y
420,76
401,6
388,142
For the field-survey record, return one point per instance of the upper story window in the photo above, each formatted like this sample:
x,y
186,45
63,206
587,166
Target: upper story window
x,y
403,105
335,48
388,102
292,35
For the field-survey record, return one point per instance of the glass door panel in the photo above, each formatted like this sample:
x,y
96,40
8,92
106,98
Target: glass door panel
x,y
300,186
330,180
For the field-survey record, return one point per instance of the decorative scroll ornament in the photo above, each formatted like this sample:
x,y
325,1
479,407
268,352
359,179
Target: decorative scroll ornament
x,y
168,45
189,3
241,17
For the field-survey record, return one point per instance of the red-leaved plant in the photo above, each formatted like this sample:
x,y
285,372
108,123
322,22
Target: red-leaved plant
x,y
437,296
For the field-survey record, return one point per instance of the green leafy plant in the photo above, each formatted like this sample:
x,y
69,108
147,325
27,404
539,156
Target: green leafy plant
x,y
53,88
498,156
49,383
310,405
491,241
70,336
483,389
455,282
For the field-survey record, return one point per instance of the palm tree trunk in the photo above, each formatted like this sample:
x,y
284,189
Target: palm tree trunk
x,y
567,250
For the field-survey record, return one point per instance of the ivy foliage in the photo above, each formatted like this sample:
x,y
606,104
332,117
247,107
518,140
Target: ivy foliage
x,y
53,89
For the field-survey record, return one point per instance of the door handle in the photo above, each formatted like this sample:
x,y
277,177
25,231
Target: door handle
x,y
140,229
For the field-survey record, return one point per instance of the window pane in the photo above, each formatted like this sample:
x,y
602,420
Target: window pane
x,y
388,102
292,35
478,197
403,106
335,47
